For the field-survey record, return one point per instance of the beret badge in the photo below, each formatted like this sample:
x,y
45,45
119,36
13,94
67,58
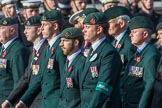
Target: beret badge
x,y
28,23
67,35
92,21
43,18
4,22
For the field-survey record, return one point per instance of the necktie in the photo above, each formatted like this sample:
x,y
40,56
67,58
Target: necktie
x,y
114,42
66,64
89,54
33,54
2,49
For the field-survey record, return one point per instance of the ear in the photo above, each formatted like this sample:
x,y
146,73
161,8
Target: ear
x,y
39,31
55,26
122,23
145,34
12,30
99,29
76,42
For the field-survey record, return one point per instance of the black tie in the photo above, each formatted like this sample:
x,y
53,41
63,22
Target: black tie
x,y
114,42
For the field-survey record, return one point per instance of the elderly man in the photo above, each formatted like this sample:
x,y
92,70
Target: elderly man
x,y
157,99
13,56
34,35
118,18
99,81
139,77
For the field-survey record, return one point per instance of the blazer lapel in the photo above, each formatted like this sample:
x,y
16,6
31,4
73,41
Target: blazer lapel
x,y
87,64
67,73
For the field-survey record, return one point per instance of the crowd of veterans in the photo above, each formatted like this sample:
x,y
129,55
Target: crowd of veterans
x,y
61,54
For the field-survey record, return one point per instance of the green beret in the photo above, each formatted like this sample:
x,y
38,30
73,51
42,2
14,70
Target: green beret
x,y
87,11
159,26
116,11
141,22
33,21
71,33
53,15
8,21
95,18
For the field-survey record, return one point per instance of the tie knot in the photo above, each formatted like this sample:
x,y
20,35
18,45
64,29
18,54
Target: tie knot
x,y
34,51
67,61
114,42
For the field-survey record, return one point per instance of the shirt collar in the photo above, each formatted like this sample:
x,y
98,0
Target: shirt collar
x,y
39,44
9,42
96,44
142,47
73,56
53,40
119,37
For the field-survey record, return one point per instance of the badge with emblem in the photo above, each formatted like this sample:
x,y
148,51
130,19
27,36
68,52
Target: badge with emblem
x,y
3,63
135,71
35,69
86,52
94,71
69,82
93,57
50,63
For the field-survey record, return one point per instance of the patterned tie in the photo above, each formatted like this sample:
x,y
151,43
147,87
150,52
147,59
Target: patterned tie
x,y
33,54
66,64
89,54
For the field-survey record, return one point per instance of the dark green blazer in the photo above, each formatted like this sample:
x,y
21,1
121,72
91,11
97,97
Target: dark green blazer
x,y
48,79
99,81
139,78
16,56
27,78
70,96
126,51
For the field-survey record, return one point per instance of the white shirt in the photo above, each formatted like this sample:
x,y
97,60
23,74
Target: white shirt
x,y
72,57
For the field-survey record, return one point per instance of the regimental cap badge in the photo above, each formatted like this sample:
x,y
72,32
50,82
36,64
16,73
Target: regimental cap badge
x,y
4,22
67,35
44,18
28,23
93,21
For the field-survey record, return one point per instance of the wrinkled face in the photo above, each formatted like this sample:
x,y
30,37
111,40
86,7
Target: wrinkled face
x,y
108,5
90,33
114,27
29,12
50,4
47,29
31,33
9,10
67,46
4,34
137,36
79,4
159,36
148,4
